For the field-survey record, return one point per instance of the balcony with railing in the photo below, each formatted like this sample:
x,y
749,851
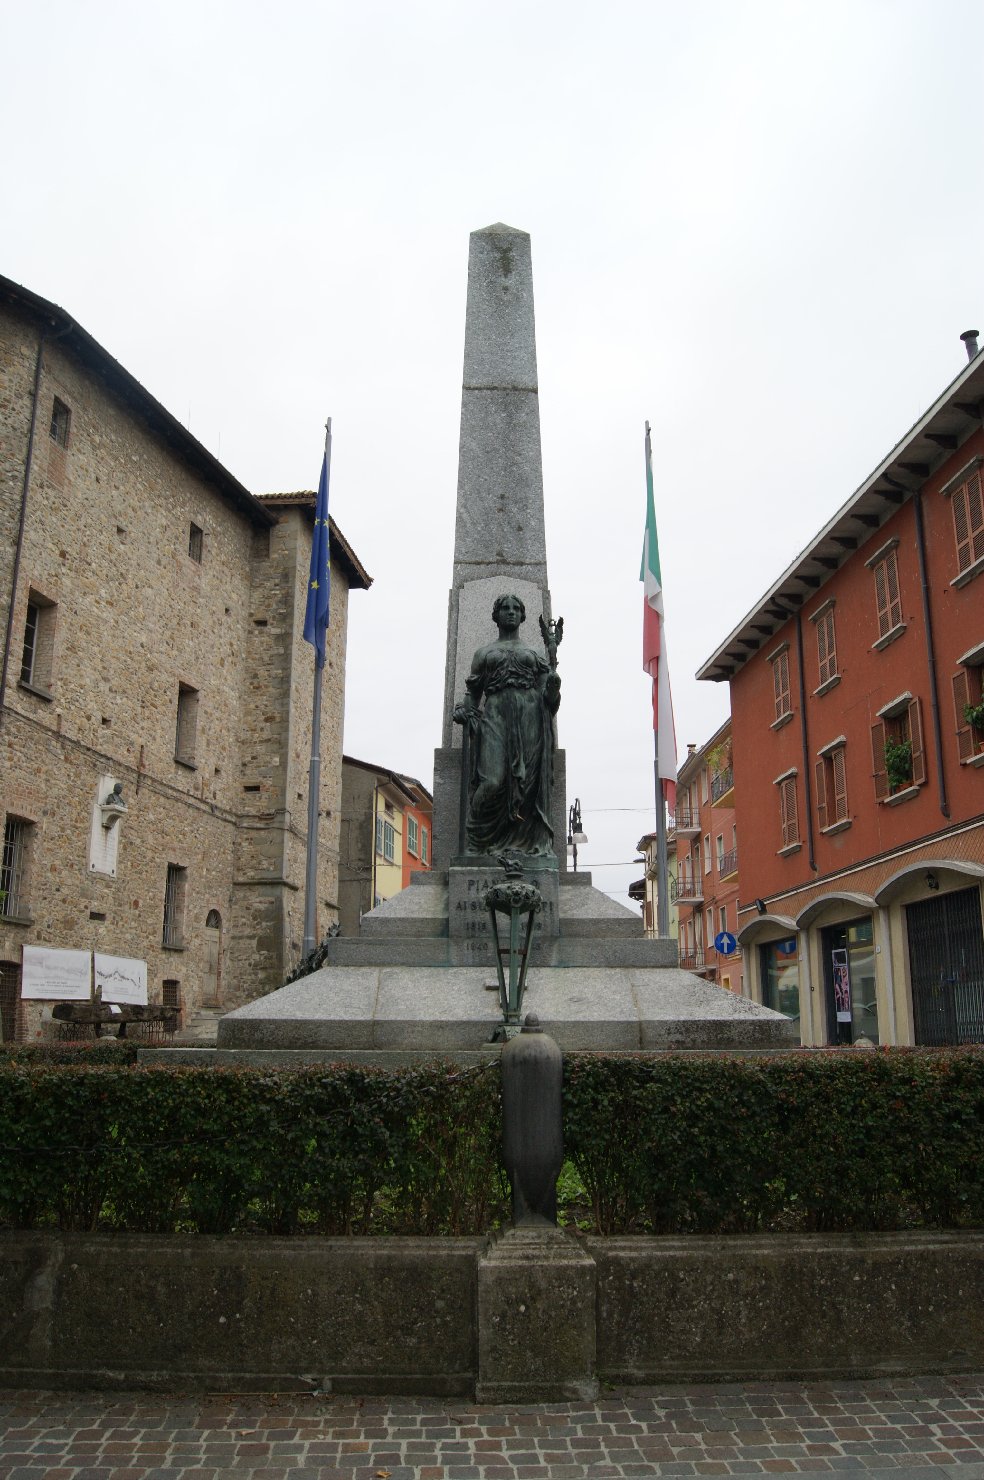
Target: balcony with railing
x,y
723,787
686,821
688,888
692,960
728,864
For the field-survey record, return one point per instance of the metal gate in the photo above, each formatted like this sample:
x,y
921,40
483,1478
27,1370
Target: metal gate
x,y
946,963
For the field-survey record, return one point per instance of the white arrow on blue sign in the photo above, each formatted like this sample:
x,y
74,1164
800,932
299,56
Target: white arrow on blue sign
x,y
725,943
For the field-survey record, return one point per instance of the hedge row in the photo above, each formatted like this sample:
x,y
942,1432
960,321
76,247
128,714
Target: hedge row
x,y
844,1139
335,1150
676,1144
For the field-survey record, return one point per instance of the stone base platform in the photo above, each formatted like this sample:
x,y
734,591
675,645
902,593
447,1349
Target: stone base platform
x,y
455,1008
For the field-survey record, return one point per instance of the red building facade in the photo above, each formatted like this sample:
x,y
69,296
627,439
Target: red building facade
x,y
858,747
706,886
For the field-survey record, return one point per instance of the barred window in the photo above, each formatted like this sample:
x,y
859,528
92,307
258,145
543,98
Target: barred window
x,y
195,542
10,1023
175,886
13,867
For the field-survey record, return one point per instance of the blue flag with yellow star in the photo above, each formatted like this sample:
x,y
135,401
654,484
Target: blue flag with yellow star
x,y
316,612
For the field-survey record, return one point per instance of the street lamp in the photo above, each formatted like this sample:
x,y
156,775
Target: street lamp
x,y
574,833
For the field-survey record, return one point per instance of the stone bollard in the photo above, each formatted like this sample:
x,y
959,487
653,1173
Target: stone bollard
x,y
536,1283
532,1129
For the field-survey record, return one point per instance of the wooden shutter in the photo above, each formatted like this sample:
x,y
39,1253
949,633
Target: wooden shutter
x,y
780,680
826,646
975,517
822,794
878,760
838,764
892,581
916,739
787,811
881,598
961,696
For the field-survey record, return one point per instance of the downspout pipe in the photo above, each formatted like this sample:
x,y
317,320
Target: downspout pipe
x,y
43,338
807,788
930,653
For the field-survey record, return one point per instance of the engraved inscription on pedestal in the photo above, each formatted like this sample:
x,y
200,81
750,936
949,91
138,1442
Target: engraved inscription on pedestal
x,y
468,917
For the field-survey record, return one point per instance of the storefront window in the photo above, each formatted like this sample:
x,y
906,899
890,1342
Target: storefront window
x,y
849,977
779,966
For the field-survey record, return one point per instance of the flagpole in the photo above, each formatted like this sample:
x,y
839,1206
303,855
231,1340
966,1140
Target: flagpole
x,y
662,868
314,781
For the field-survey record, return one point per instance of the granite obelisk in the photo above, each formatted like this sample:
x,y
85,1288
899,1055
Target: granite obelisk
x,y
500,541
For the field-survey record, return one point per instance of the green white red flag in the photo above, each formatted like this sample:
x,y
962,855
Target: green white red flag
x,y
654,643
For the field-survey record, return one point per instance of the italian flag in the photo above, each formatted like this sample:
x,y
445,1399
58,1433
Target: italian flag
x,y
654,644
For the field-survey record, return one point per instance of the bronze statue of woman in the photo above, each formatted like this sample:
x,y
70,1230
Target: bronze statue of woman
x,y
511,735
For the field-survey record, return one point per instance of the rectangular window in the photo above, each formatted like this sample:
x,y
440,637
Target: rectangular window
x,y
17,833
788,811
379,835
39,643
195,543
412,833
887,598
389,842
779,975
723,917
968,521
897,753
10,980
171,992
968,708
780,683
826,646
186,730
703,785
61,421
832,787
707,853
424,845
719,846
174,904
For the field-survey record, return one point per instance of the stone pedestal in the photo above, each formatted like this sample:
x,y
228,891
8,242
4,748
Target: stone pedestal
x,y
536,1319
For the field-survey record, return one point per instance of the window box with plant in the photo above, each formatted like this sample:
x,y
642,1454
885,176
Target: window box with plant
x,y
968,705
898,764
897,750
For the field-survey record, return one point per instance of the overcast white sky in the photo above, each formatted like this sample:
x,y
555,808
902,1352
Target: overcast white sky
x,y
757,224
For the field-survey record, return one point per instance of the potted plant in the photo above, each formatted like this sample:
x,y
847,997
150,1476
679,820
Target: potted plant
x,y
974,714
898,763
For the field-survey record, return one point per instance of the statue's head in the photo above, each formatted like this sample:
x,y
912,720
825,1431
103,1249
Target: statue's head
x,y
500,602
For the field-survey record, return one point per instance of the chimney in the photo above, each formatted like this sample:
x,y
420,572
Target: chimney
x,y
969,337
691,748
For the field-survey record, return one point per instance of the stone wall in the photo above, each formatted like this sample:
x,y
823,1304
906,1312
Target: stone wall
x,y
532,1315
136,619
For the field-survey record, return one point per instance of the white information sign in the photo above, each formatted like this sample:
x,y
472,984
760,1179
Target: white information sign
x,y
121,979
56,976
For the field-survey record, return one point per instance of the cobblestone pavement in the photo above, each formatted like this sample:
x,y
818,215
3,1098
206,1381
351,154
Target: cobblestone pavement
x,y
912,1427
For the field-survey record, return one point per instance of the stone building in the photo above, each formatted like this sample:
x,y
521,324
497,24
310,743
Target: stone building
x,y
151,611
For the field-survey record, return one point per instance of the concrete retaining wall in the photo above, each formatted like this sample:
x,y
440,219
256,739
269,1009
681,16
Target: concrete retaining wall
x,y
460,1316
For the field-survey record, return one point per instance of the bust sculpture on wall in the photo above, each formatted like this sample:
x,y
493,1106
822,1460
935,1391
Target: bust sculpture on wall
x,y
509,737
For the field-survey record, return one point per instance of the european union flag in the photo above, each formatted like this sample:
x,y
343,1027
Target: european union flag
x,y
316,612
